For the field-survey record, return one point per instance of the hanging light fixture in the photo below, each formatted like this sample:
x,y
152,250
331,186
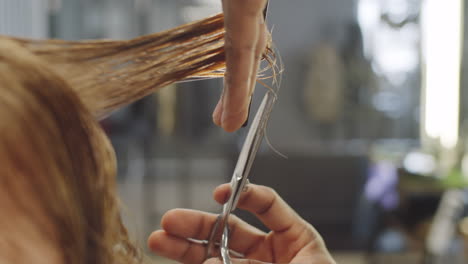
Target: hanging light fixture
x,y
442,33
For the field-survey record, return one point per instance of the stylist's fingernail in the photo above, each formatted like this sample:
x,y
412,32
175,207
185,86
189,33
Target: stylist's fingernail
x,y
213,261
217,113
233,121
246,186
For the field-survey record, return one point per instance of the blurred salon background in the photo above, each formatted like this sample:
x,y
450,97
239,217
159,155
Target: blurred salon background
x,y
372,116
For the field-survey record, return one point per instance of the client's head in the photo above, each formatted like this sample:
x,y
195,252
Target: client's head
x,y
56,170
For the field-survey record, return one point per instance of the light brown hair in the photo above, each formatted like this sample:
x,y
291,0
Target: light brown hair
x,y
51,93
108,74
52,145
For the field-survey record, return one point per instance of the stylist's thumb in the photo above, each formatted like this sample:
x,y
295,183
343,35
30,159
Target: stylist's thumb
x,y
234,261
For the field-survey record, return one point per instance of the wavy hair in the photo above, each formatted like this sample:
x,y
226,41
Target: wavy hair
x,y
52,93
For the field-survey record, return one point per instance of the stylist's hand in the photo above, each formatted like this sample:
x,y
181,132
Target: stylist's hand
x,y
292,240
245,42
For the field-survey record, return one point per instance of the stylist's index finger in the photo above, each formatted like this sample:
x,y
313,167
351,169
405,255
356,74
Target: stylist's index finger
x,y
243,22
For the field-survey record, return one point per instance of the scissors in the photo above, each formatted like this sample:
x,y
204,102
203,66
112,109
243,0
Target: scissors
x,y
240,178
220,231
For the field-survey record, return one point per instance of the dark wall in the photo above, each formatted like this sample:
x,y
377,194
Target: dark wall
x,y
324,190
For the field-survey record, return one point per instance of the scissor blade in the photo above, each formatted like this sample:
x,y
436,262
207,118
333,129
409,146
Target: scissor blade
x,y
249,150
244,163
